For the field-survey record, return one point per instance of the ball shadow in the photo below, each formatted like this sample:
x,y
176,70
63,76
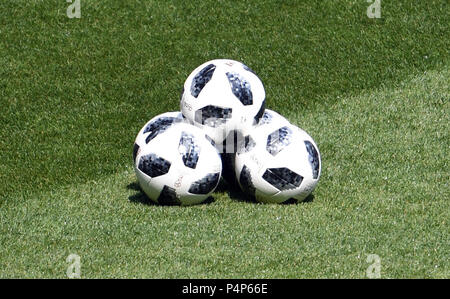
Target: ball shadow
x,y
235,193
141,198
293,201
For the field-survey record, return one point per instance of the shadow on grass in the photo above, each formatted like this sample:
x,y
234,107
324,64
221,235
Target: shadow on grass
x,y
293,201
142,198
235,193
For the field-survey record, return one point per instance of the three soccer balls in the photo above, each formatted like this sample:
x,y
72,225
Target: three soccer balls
x,y
224,130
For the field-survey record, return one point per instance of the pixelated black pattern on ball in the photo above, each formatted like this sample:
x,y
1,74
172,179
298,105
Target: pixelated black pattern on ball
x,y
282,178
245,67
189,150
213,143
201,79
245,180
205,185
265,119
278,140
260,112
168,196
153,166
313,158
182,93
241,88
158,126
213,116
135,150
247,145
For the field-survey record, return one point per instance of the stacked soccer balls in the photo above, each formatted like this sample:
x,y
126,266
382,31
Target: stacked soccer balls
x,y
224,130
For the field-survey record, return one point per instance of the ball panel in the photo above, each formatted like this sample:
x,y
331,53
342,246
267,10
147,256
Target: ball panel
x,y
249,143
245,180
213,116
213,143
245,67
282,178
313,158
168,196
271,117
135,151
241,88
181,95
158,126
152,125
245,145
278,140
201,79
260,112
266,118
205,185
153,166
189,150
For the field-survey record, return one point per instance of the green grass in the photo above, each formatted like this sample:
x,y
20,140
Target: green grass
x,y
373,93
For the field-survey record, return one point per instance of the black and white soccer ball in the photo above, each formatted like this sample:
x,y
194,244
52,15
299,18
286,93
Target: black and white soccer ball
x,y
223,96
269,117
175,163
278,162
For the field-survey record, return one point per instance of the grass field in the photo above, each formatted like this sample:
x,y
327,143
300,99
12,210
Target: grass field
x,y
373,93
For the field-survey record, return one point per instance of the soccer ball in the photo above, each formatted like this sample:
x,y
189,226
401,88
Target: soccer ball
x,y
176,164
278,162
228,157
223,96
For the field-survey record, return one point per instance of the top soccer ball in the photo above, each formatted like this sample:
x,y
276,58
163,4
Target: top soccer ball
x,y
223,96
